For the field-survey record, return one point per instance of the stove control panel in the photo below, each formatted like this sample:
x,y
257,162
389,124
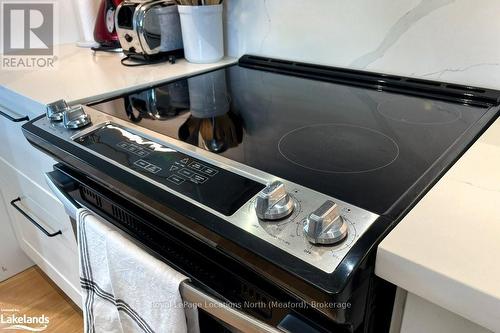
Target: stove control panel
x,y
311,226
206,184
319,230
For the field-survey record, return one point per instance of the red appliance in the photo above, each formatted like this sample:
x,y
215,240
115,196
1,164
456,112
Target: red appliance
x,y
104,30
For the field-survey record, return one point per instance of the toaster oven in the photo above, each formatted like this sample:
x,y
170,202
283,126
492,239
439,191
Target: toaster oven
x,y
149,29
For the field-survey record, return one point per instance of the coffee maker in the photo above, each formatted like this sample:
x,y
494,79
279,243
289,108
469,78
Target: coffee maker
x,y
104,29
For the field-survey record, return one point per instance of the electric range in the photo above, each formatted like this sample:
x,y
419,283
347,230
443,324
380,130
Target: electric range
x,y
290,173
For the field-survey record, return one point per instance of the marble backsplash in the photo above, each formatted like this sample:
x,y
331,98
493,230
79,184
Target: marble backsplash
x,y
448,40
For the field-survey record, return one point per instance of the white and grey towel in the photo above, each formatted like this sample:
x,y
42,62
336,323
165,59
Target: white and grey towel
x,y
125,289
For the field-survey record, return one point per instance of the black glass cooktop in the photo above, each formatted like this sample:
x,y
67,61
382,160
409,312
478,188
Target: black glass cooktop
x,y
364,146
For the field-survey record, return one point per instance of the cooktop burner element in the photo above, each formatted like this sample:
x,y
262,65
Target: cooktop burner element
x,y
338,148
423,113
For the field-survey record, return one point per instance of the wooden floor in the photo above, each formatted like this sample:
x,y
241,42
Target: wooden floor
x,y
33,294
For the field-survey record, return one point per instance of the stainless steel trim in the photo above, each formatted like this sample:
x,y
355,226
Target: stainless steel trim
x,y
139,42
69,207
233,317
139,24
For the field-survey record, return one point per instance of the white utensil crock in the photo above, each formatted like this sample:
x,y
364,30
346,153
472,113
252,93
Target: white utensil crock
x,y
202,33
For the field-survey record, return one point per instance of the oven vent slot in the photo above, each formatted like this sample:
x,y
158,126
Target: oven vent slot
x,y
123,217
91,196
453,93
131,223
261,302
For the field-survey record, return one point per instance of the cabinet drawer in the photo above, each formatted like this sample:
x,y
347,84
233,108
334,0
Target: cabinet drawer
x,y
38,200
57,256
52,254
13,260
21,155
16,150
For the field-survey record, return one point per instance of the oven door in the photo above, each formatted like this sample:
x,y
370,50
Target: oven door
x,y
215,314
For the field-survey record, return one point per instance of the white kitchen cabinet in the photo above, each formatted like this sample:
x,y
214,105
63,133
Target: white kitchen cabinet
x,y
413,314
12,259
16,149
22,169
57,255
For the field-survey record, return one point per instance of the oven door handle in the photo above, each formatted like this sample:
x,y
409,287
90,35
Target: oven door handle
x,y
231,316
70,205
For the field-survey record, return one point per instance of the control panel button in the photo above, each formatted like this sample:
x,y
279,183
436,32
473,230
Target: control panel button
x,y
141,164
153,168
177,180
198,179
186,172
139,151
325,225
196,166
203,169
132,148
147,166
142,153
209,171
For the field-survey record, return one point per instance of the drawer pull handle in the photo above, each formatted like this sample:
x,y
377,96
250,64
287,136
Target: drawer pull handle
x,y
16,120
48,234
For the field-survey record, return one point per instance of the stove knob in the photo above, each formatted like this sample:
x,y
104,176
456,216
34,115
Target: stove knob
x,y
325,225
76,118
55,110
273,203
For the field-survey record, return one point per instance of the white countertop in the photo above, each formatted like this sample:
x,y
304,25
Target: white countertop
x,y
82,75
447,248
